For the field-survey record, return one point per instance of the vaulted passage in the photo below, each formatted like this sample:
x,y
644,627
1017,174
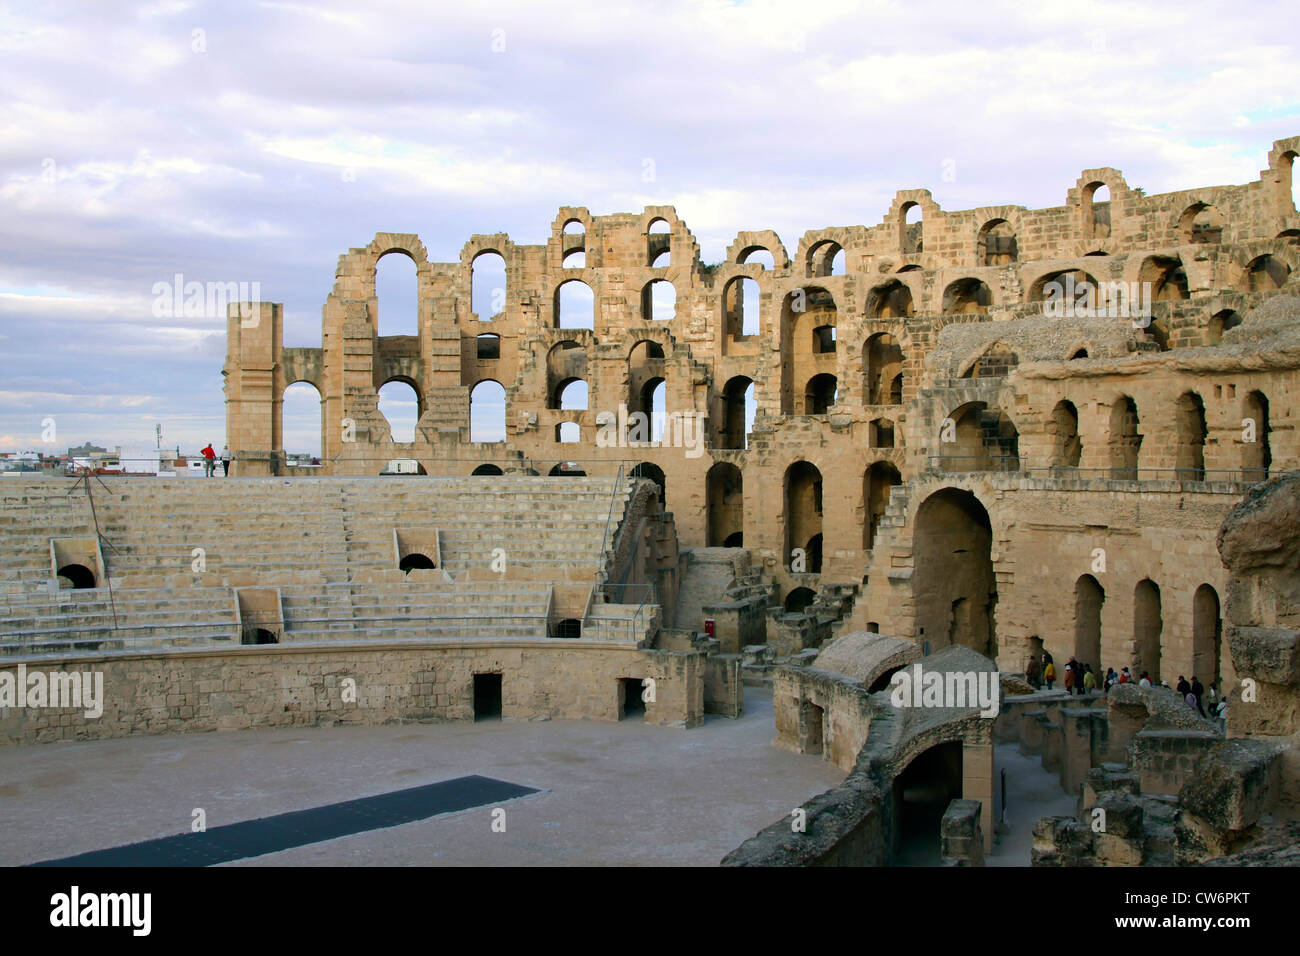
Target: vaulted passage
x,y
726,503
980,438
921,794
953,583
737,417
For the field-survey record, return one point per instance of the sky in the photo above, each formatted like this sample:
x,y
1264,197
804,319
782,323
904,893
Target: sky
x,y
256,142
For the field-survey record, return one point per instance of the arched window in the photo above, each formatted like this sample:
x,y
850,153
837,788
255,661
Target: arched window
x,y
488,285
1266,274
882,364
301,420
759,256
820,394
659,245
399,403
996,244
1096,209
967,297
658,301
487,412
575,305
740,301
738,408
912,228
397,294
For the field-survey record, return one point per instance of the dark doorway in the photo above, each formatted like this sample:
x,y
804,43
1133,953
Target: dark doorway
x,y
630,703
922,793
80,575
413,561
570,627
487,696
257,635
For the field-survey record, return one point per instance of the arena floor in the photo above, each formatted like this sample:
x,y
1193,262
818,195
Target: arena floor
x,y
609,794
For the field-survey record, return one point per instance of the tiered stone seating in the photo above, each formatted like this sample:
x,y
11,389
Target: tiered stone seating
x,y
325,543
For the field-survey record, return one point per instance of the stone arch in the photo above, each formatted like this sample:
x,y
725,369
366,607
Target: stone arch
x,y
820,394
985,439
736,419
1200,223
741,297
658,242
652,472
1095,210
920,794
954,588
803,513
1220,322
798,600
566,362
882,369
487,411
826,257
1167,278
1089,598
1063,428
1147,626
402,419
1190,432
1257,454
996,361
1207,635
575,305
996,244
488,284
876,482
890,300
302,416
397,294
1066,287
967,296
1266,274
725,497
487,469
78,577
1124,442
658,301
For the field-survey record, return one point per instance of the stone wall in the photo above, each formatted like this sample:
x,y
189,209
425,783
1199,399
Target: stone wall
x,y
284,685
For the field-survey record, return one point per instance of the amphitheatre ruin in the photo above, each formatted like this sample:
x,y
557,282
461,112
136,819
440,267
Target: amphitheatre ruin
x,y
973,438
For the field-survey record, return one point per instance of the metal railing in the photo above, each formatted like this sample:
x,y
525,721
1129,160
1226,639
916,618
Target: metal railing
x,y
604,538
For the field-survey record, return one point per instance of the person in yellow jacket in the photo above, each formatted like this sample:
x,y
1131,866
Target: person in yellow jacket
x,y
1049,671
1089,679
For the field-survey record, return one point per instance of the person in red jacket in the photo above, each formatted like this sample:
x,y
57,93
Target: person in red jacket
x,y
209,460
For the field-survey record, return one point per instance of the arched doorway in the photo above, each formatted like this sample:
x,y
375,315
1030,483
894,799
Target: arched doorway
x,y
803,516
654,473
921,794
1207,635
877,481
726,503
1089,596
1147,625
954,589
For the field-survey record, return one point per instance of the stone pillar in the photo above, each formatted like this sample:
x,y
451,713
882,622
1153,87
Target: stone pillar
x,y
254,340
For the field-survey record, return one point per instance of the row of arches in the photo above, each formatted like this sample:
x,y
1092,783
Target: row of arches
x,y
1148,629
574,299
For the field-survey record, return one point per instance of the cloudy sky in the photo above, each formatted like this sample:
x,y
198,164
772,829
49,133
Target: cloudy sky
x,y
255,142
